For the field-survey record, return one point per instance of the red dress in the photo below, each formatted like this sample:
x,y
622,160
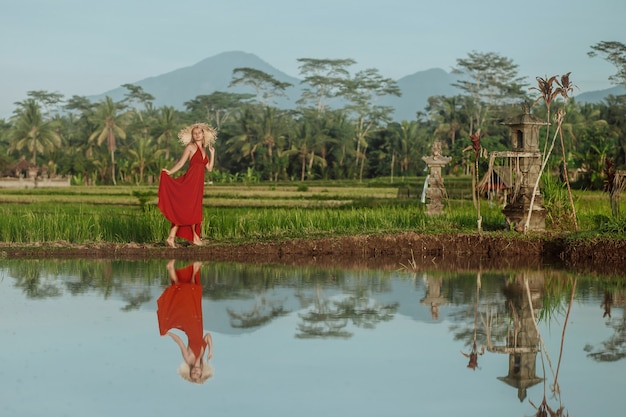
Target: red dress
x,y
180,199
180,307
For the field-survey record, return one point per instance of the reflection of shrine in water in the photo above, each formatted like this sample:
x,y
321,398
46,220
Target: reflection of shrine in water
x,y
522,342
433,297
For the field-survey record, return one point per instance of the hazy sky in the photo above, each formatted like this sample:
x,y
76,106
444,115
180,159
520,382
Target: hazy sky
x,y
87,47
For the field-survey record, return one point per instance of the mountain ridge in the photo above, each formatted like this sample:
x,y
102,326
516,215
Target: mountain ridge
x,y
214,73
600,95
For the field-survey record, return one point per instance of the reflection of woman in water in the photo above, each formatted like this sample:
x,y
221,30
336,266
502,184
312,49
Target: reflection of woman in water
x,y
180,307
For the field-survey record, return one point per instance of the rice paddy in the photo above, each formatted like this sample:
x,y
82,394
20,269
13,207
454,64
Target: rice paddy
x,y
239,213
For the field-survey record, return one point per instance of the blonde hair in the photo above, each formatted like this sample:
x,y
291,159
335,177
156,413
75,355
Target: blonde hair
x,y
185,372
209,137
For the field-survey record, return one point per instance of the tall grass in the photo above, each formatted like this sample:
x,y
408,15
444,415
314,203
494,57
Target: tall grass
x,y
115,214
103,224
83,224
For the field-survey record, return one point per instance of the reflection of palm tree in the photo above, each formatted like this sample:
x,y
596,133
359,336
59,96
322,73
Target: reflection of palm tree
x,y
319,324
136,300
329,318
262,312
99,276
614,348
321,321
364,312
29,280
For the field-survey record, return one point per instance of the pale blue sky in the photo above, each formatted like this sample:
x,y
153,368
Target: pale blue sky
x,y
87,47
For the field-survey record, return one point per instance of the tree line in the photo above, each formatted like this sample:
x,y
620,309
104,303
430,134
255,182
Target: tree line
x,y
336,130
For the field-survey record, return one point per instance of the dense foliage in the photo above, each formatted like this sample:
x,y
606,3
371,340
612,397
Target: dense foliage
x,y
128,142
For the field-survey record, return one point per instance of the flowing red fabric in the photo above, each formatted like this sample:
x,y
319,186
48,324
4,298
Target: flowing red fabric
x,y
180,307
180,199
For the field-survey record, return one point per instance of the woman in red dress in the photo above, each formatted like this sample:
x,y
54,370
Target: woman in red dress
x,y
180,308
180,199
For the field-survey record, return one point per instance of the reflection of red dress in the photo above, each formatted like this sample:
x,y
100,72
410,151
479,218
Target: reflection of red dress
x,y
180,307
180,199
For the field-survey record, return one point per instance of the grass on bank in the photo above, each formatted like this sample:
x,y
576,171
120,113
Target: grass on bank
x,y
237,213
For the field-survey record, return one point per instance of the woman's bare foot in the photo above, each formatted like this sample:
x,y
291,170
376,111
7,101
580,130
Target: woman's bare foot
x,y
198,242
170,242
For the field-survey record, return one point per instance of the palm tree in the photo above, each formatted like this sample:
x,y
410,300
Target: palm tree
x,y
110,125
330,129
303,144
271,130
409,147
245,142
362,93
447,112
142,155
166,128
32,132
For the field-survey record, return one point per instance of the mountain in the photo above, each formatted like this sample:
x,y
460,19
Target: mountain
x,y
207,76
417,88
599,95
215,74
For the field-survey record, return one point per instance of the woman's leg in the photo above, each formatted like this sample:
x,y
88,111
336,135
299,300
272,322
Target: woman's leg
x,y
196,239
170,239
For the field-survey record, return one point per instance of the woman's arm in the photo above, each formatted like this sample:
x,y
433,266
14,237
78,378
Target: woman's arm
x,y
181,345
209,341
209,165
181,161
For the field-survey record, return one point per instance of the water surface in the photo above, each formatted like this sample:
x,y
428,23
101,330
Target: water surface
x,y
82,338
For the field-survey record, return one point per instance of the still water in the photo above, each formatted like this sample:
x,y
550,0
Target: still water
x,y
84,338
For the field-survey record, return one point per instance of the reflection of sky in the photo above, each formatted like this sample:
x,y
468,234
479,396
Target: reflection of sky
x,y
82,355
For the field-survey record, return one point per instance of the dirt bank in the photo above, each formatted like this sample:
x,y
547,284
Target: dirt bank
x,y
445,251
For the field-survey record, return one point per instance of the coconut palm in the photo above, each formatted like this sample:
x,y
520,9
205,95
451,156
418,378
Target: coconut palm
x,y
143,154
110,125
413,143
32,132
447,112
362,93
271,128
166,129
303,146
245,141
331,128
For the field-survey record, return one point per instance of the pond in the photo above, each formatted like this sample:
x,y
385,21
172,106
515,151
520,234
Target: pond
x,y
84,337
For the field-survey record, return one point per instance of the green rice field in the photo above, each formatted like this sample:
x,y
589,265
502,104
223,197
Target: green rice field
x,y
243,212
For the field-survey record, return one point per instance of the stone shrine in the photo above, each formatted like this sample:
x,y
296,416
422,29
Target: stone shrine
x,y
436,191
520,171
